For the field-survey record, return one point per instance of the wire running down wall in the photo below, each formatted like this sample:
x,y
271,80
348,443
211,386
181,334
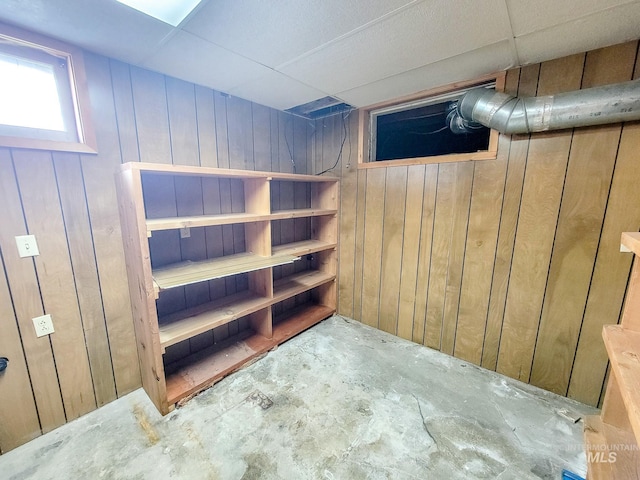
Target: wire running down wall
x,y
512,264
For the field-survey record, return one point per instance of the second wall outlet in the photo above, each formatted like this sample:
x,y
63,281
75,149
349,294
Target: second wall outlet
x,y
43,325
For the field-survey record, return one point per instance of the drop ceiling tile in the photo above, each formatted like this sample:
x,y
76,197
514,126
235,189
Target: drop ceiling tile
x,y
426,33
529,16
470,65
106,27
190,58
278,31
277,91
581,35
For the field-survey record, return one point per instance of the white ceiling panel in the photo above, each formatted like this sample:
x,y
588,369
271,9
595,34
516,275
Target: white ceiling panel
x,y
277,90
190,58
423,34
102,26
470,65
529,16
278,31
581,35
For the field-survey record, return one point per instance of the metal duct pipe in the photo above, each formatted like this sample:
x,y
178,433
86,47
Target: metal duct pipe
x,y
592,106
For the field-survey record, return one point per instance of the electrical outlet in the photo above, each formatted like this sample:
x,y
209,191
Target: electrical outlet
x,y
27,246
185,232
43,325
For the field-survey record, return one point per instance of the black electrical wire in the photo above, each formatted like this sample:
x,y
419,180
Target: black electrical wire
x,y
289,146
344,138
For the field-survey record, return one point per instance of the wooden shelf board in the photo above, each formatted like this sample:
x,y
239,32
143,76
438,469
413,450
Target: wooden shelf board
x,y
202,318
297,283
161,169
303,247
300,213
630,242
186,273
170,223
623,347
600,439
204,368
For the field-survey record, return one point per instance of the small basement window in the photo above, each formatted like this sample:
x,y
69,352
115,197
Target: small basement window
x,y
416,131
43,103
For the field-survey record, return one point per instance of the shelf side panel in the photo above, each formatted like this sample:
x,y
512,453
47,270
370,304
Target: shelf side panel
x,y
136,248
631,313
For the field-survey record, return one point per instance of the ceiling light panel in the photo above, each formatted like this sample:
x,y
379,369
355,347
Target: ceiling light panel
x,y
168,11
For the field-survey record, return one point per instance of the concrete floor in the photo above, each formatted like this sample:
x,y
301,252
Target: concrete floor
x,y
349,402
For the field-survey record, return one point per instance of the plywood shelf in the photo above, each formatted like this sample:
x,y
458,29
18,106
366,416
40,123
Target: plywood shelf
x,y
301,213
623,348
301,248
204,368
207,316
600,440
186,273
172,223
298,283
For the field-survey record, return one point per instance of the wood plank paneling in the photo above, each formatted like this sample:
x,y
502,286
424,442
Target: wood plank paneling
x,y
17,425
98,174
392,242
371,264
591,163
463,183
410,250
480,250
517,258
540,203
43,216
424,255
85,272
518,149
25,295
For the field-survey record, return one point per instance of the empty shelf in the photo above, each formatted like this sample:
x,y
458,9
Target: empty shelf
x,y
185,273
301,248
189,323
204,368
169,223
292,285
300,213
623,347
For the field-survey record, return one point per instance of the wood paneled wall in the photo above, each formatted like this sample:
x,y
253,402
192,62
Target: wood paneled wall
x,y
68,201
512,264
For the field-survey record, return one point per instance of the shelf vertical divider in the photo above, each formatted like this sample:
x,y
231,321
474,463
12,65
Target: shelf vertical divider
x,y
325,196
258,240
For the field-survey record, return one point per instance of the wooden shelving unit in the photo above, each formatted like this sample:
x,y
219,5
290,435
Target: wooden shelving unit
x,y
612,439
207,272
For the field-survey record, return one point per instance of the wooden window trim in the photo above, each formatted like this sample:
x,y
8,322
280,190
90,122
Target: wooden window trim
x,y
364,115
79,90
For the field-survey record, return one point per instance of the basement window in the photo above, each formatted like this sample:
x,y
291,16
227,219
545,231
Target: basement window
x,y
43,104
416,130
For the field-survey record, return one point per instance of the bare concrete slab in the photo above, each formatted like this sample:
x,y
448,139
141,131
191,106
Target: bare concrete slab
x,y
340,401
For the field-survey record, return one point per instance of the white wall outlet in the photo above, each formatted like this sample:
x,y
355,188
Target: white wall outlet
x,y
27,246
185,232
44,325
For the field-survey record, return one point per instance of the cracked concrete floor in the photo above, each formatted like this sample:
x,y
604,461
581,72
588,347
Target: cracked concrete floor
x,y
349,402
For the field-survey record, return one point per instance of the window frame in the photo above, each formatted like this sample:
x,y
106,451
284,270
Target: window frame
x,y
364,125
74,61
